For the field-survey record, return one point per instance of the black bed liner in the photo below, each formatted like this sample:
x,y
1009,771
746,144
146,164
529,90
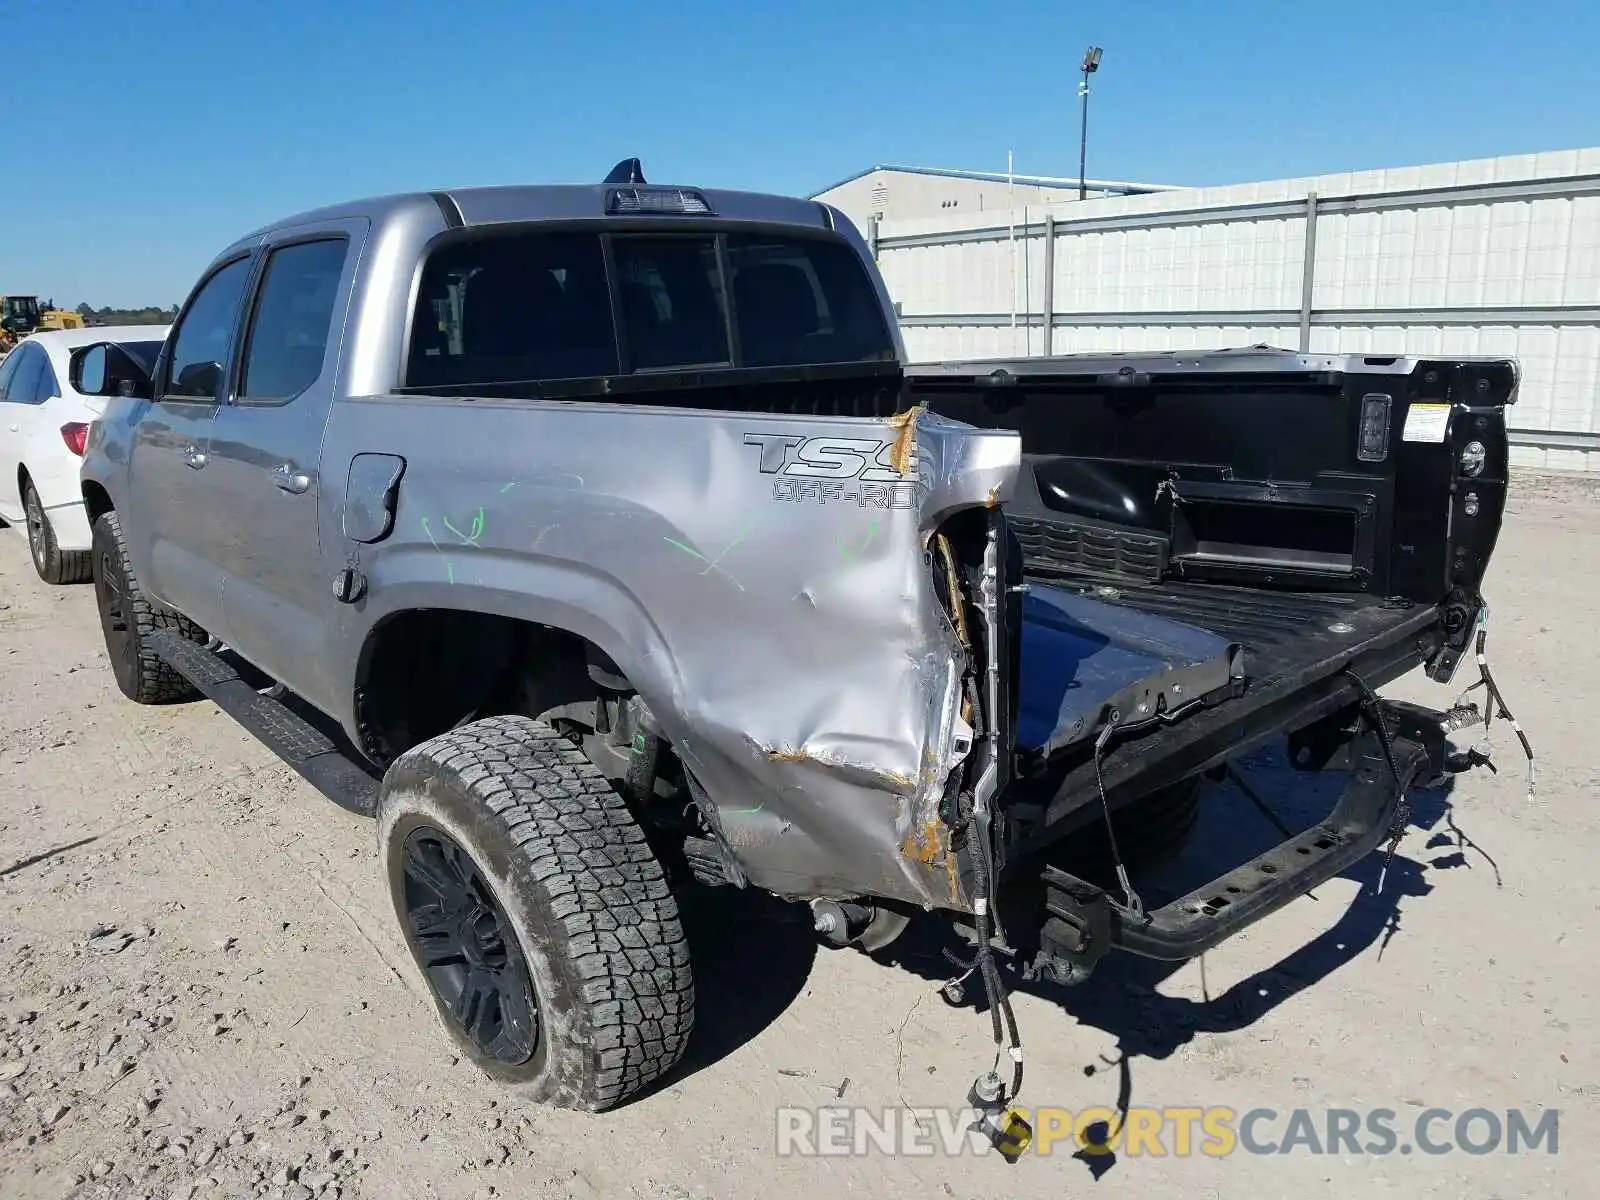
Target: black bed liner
x,y
1284,634
1297,662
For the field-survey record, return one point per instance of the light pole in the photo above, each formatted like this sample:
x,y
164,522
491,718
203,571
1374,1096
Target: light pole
x,y
1091,64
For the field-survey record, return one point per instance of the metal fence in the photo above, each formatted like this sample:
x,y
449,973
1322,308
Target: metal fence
x,y
1496,256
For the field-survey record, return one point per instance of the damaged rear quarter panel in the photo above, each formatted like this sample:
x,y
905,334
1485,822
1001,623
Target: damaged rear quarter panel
x,y
760,579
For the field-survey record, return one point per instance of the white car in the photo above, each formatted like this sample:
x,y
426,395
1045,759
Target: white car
x,y
43,424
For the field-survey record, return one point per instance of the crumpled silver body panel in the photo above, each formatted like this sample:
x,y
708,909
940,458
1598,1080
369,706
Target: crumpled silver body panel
x,y
761,580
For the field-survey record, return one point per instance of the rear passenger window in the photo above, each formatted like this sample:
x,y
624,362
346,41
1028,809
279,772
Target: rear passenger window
x,y
47,387
508,309
8,368
671,299
288,337
24,385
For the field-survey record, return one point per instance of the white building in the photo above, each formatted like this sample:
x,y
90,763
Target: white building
x,y
1489,256
906,193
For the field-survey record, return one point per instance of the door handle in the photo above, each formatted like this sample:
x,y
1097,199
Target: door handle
x,y
194,457
292,481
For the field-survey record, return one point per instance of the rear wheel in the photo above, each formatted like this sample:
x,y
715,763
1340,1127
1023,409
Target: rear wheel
x,y
54,564
536,912
128,620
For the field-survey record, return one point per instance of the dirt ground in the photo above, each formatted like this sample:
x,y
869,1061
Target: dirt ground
x,y
203,991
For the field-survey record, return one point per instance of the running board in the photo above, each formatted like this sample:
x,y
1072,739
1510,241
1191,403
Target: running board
x,y
311,753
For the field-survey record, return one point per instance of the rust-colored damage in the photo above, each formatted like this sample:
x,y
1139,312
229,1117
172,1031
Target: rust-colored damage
x,y
925,843
893,780
905,441
993,499
929,844
954,875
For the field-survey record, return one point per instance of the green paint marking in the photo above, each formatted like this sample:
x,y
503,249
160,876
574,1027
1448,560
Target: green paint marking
x,y
737,538
746,812
454,530
508,487
477,524
872,533
429,532
449,571
711,565
686,549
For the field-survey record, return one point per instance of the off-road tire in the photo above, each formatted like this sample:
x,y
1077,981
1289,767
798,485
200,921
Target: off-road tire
x,y
54,564
129,621
585,896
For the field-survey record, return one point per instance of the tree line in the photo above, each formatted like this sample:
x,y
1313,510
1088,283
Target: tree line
x,y
151,315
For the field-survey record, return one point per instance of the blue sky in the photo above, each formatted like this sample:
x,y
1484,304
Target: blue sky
x,y
142,137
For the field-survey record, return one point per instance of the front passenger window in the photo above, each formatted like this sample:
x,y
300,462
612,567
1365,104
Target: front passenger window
x,y
205,333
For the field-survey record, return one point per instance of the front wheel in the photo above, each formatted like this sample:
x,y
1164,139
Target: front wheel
x,y
536,913
129,620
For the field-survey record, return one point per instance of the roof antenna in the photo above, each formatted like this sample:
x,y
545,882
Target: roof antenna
x,y
629,170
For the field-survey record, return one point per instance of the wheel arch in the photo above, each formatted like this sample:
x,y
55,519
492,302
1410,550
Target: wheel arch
x,y
96,500
424,666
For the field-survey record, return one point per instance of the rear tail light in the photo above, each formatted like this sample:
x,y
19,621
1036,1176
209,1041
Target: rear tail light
x,y
76,435
1374,443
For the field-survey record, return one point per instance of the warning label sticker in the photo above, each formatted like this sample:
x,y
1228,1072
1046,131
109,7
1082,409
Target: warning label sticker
x,y
1426,423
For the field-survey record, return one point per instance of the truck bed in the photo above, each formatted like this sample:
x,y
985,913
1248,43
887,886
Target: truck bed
x,y
1314,513
1284,635
1297,659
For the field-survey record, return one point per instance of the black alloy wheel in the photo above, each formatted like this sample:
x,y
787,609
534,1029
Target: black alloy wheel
x,y
467,947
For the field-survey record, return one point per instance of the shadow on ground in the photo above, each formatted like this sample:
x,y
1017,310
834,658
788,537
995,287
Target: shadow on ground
x,y
752,956
1122,999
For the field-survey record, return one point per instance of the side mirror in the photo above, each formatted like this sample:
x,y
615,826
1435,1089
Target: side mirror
x,y
106,369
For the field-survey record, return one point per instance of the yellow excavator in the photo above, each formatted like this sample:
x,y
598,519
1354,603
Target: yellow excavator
x,y
21,315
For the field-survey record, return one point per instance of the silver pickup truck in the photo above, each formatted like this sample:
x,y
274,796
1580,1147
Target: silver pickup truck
x,y
597,540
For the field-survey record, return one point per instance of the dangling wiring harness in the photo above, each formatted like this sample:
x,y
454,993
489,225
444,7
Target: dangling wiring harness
x,y
1464,713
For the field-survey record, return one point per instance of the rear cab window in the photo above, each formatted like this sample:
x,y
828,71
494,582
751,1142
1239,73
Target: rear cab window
x,y
525,307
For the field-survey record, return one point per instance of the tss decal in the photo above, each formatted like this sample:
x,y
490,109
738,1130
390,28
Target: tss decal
x,y
795,456
818,470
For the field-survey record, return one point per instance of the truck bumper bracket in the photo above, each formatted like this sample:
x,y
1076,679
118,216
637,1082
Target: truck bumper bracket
x,y
1082,921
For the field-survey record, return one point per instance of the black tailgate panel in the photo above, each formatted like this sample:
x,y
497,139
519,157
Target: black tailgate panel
x,y
1253,473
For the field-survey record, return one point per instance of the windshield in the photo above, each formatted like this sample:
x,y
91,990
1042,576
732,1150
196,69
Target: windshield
x,y
24,310
530,306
